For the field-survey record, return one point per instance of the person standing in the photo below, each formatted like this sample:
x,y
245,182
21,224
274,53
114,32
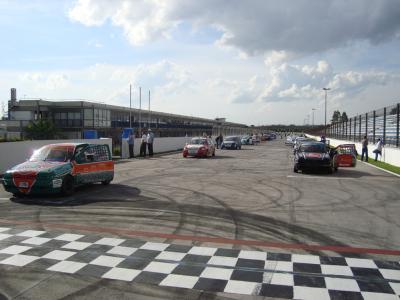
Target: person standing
x,y
131,144
364,149
143,144
221,139
217,142
378,149
150,140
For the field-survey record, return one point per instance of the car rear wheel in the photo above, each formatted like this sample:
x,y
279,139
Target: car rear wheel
x,y
67,187
105,182
213,154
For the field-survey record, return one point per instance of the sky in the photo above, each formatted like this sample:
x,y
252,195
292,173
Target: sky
x,y
254,62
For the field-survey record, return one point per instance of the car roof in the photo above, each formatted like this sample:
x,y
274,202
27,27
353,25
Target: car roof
x,y
313,143
66,144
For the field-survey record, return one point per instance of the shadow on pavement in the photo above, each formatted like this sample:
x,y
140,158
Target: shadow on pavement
x,y
84,195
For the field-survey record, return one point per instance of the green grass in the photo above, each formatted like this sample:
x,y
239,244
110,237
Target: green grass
x,y
382,165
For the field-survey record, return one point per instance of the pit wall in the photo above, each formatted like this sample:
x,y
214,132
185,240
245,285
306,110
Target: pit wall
x,y
159,145
389,155
13,153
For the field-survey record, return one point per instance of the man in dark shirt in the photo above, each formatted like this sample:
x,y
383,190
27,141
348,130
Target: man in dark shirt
x,y
364,151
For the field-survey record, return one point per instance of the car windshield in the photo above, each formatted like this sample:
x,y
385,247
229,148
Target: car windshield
x,y
319,148
198,142
52,153
230,138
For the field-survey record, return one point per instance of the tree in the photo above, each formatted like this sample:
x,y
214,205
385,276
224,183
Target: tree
x,y
41,130
344,117
336,116
393,111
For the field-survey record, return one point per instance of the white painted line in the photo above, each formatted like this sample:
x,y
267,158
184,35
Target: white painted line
x,y
316,177
371,165
4,198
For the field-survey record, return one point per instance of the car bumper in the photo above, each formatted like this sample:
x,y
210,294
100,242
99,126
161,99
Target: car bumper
x,y
313,164
38,188
230,146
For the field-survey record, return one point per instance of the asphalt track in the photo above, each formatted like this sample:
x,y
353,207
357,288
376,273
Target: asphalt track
x,y
248,199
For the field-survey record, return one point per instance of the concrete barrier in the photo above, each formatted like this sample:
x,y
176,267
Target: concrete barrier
x,y
160,145
389,155
13,153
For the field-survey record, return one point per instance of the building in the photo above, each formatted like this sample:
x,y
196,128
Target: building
x,y
73,118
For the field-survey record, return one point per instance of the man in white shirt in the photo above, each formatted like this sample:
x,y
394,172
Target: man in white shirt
x,y
150,140
143,144
378,149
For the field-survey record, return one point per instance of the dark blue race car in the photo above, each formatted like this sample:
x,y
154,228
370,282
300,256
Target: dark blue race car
x,y
314,156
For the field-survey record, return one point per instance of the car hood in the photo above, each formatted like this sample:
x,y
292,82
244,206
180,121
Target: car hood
x,y
37,166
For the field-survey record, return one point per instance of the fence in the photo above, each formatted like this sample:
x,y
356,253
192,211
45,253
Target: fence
x,y
382,123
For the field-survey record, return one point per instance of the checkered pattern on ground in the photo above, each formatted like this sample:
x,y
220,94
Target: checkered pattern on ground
x,y
282,275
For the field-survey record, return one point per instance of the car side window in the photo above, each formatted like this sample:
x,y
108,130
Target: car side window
x,y
83,156
100,153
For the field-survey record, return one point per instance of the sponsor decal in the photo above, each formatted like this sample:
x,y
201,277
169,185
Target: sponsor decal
x,y
57,183
24,180
313,155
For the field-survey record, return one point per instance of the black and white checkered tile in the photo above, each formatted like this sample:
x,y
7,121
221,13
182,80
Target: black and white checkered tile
x,y
281,275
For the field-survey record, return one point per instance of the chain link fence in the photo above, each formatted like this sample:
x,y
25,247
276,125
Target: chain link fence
x,y
382,123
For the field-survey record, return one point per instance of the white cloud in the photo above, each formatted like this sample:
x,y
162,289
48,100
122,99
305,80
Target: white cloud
x,y
253,27
303,83
46,81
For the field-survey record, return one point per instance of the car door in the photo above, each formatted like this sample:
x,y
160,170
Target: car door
x,y
82,164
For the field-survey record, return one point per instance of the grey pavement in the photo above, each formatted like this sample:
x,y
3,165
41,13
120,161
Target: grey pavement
x,y
251,194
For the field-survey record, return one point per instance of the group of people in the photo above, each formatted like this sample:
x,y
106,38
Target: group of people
x,y
364,148
146,143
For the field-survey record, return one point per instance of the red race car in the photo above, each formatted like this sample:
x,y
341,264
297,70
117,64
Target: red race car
x,y
199,147
346,155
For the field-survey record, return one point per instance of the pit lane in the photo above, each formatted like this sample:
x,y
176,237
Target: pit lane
x,y
250,194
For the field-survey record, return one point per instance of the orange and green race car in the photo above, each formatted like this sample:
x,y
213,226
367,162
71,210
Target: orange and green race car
x,y
59,168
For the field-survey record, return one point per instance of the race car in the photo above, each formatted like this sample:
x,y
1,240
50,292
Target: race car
x,y
59,168
346,155
314,156
199,147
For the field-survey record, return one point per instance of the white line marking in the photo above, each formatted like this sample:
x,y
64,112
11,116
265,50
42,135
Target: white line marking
x,y
4,198
315,177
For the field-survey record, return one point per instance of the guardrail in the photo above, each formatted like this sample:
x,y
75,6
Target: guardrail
x,y
382,123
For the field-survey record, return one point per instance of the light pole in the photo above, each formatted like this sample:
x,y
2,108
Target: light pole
x,y
140,109
313,109
130,106
326,96
149,112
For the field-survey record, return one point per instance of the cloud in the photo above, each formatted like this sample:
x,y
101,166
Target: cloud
x,y
250,92
46,81
298,83
254,27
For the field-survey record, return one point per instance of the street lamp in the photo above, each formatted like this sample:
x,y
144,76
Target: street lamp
x,y
313,109
326,96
